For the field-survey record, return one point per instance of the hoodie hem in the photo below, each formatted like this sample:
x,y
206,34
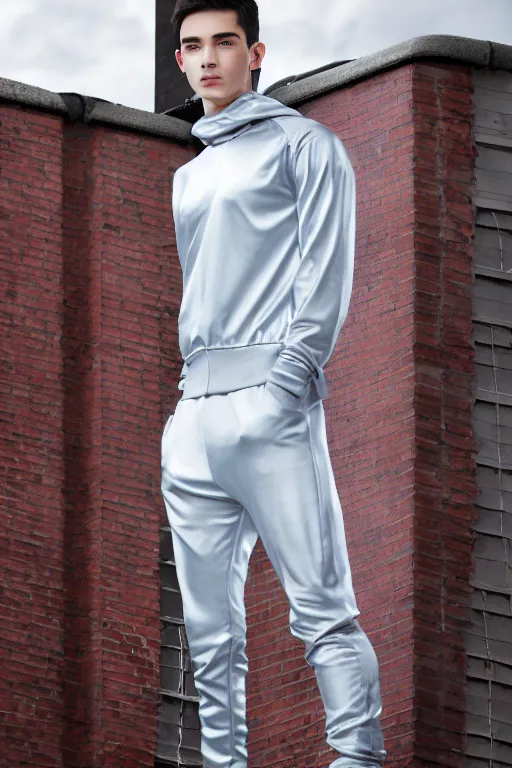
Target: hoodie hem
x,y
218,370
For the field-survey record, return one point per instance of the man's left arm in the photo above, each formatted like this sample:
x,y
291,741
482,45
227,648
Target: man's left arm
x,y
322,287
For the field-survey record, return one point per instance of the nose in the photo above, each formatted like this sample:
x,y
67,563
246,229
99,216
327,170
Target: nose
x,y
209,56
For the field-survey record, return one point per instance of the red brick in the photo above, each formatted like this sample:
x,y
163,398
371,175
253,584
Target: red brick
x,y
94,302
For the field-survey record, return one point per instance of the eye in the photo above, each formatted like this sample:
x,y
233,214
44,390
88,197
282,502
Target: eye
x,y
227,41
190,47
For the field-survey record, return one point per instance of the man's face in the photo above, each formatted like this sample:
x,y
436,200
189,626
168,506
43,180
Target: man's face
x,y
213,45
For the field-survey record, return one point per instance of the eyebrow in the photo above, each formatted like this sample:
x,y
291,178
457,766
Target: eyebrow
x,y
217,36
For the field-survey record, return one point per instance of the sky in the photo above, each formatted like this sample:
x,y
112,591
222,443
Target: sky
x,y
107,49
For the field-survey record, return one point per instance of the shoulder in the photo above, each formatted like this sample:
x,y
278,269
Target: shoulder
x,y
182,172
303,130
178,173
314,144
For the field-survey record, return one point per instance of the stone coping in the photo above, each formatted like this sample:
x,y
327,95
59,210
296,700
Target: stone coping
x,y
301,88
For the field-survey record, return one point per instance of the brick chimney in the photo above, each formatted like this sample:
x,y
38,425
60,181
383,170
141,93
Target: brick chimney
x,y
171,85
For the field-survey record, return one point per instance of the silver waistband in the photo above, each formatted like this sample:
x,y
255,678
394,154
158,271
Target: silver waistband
x,y
214,371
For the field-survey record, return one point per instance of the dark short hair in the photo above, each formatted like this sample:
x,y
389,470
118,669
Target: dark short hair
x,y
247,12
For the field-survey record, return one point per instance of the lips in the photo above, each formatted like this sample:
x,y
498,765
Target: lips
x,y
207,80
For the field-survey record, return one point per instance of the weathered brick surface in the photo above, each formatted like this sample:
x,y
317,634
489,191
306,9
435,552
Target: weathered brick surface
x,y
370,424
399,427
31,460
122,286
90,367
445,465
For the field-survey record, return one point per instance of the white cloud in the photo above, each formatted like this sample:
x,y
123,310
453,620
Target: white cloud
x,y
86,46
107,49
302,41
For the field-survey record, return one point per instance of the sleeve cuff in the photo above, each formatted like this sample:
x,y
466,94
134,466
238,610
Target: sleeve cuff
x,y
181,383
293,369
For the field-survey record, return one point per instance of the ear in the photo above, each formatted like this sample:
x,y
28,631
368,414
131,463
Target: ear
x,y
258,51
179,59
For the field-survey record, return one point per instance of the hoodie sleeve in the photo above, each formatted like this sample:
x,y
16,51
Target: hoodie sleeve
x,y
325,186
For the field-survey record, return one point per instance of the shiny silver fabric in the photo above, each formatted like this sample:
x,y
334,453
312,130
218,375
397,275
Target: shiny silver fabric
x,y
249,463
265,228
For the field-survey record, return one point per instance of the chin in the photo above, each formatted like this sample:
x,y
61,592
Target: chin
x,y
211,89
221,93
215,94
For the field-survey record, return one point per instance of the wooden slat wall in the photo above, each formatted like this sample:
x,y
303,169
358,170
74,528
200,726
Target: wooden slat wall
x,y
489,638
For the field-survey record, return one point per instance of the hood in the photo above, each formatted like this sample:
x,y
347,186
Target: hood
x,y
238,116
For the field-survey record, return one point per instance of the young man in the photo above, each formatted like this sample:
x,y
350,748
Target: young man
x,y
265,228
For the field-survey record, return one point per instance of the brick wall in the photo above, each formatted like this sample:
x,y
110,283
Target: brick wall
x,y
91,364
370,407
399,428
445,466
32,459
90,370
370,424
121,289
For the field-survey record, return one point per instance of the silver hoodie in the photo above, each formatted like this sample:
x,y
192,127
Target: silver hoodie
x,y
265,230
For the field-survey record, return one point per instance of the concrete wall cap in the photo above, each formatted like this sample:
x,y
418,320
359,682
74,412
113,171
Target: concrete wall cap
x,y
463,50
98,111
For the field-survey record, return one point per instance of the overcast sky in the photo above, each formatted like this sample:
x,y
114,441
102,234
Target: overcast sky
x,y
105,48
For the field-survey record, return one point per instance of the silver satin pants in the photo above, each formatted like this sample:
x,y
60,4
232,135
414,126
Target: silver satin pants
x,y
255,462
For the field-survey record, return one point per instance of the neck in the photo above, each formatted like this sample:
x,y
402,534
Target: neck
x,y
212,108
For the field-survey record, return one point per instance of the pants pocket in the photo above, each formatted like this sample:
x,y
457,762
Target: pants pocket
x,y
283,396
